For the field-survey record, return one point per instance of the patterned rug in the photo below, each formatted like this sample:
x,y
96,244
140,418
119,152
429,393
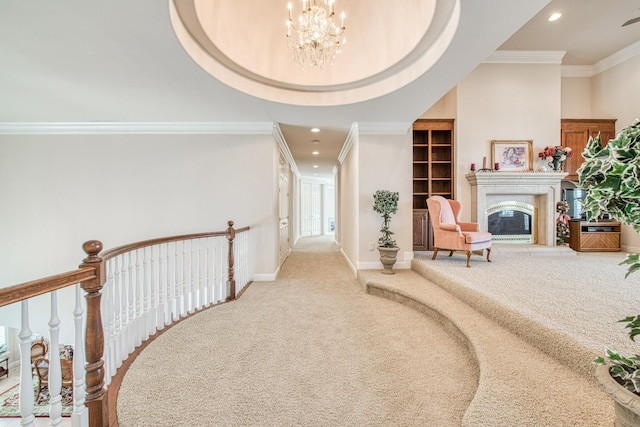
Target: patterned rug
x,y
10,402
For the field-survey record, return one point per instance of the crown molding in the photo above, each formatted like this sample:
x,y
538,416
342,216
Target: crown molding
x,y
576,71
284,149
617,58
525,57
102,128
352,137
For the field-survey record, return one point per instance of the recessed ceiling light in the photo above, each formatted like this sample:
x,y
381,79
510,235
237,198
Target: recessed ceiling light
x,y
315,141
315,130
315,153
554,16
316,166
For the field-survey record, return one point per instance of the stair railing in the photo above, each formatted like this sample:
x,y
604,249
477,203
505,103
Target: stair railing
x,y
131,292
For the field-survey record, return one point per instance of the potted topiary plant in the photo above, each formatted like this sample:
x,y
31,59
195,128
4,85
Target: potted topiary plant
x,y
611,176
385,203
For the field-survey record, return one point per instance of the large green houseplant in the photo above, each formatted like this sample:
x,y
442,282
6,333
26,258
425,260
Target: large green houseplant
x,y
611,176
385,203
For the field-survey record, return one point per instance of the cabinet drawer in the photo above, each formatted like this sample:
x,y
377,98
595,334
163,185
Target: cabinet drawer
x,y
600,241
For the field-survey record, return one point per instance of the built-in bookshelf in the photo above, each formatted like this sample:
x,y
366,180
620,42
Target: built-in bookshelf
x,y
432,173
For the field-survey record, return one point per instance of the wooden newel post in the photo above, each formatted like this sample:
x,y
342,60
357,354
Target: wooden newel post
x,y
232,281
96,397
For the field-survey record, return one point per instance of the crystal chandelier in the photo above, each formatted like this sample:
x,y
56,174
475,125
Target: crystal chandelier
x,y
318,38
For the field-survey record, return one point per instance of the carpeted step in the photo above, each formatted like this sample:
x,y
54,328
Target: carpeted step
x,y
519,384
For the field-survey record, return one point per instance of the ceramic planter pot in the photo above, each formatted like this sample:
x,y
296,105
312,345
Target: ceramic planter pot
x,y
627,404
388,257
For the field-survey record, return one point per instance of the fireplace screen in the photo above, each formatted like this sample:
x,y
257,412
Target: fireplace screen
x,y
511,222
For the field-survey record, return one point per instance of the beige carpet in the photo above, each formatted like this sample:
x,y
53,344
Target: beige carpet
x,y
310,349
579,297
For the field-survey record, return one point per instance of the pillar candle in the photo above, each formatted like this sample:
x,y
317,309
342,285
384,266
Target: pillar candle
x,y
484,162
496,166
473,166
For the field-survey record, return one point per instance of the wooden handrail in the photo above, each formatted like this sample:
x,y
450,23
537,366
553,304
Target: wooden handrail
x,y
34,288
111,253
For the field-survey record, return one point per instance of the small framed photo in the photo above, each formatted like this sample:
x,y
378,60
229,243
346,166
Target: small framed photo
x,y
512,155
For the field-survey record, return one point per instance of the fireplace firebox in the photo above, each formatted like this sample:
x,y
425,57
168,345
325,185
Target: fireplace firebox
x,y
511,222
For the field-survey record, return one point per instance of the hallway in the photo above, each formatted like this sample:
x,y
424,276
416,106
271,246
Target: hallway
x,y
311,348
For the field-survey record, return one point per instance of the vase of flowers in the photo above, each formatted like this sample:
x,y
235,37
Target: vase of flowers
x,y
555,156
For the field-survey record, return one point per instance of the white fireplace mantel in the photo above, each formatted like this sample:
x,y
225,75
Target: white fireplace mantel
x,y
543,187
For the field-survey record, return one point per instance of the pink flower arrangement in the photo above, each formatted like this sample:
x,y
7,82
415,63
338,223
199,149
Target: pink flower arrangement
x,y
557,152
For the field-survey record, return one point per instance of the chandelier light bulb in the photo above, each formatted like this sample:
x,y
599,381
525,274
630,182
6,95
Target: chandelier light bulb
x,y
316,38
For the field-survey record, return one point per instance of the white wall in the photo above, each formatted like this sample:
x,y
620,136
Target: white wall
x,y
504,102
385,164
61,190
445,108
576,98
616,93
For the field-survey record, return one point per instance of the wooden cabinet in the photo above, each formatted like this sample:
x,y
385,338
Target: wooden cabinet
x,y
599,236
422,233
432,172
575,133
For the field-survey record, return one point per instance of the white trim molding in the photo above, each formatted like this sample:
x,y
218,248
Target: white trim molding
x,y
284,149
352,137
605,64
266,277
120,128
576,71
617,58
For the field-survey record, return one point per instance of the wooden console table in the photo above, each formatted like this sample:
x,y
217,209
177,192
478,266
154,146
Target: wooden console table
x,y
594,236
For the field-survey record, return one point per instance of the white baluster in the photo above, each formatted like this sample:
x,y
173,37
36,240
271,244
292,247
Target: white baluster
x,y
153,297
139,302
176,284
207,269
124,304
192,283
224,268
183,284
199,275
218,268
108,319
26,375
80,415
132,329
117,342
148,296
169,295
55,372
161,288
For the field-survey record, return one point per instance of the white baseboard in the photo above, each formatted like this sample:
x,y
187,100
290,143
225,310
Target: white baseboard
x,y
266,277
351,266
634,249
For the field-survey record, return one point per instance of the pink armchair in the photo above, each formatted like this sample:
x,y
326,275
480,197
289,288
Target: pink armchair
x,y
451,235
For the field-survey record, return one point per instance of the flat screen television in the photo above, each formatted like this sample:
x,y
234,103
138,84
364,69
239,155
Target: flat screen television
x,y
575,198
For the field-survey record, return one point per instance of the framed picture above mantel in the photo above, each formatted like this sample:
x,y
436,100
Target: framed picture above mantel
x,y
515,155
